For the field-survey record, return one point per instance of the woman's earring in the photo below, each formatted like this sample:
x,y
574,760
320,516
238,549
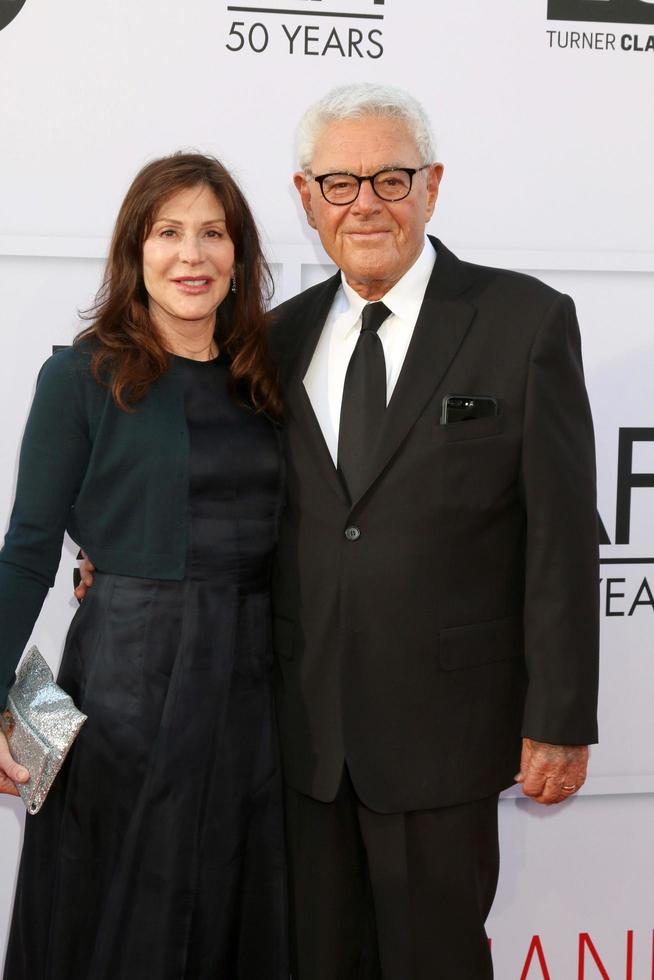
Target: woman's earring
x,y
233,283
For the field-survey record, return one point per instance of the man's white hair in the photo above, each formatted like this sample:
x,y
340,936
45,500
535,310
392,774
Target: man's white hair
x,y
359,100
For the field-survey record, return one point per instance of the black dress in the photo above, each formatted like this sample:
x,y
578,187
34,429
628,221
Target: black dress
x,y
159,854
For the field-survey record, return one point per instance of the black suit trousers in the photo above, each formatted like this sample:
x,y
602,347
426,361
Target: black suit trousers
x,y
400,896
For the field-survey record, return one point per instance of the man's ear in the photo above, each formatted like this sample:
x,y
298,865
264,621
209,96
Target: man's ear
x,y
434,177
302,186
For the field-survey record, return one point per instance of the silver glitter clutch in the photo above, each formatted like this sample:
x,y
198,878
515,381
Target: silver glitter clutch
x,y
41,723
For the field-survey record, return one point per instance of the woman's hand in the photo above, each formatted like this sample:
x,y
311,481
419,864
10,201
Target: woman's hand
x,y
86,570
10,772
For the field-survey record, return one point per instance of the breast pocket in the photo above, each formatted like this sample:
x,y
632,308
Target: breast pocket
x,y
473,429
430,431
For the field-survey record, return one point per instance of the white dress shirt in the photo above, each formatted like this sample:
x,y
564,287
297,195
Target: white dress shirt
x,y
326,373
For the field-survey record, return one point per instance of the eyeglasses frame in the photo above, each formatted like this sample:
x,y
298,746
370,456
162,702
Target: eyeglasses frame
x,y
411,171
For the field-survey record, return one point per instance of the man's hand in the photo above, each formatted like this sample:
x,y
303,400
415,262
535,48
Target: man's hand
x,y
10,772
551,773
86,570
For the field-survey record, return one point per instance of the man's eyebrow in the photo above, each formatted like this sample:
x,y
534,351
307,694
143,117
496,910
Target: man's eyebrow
x,y
384,166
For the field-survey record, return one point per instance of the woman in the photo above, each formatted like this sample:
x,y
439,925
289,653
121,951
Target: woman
x,y
159,852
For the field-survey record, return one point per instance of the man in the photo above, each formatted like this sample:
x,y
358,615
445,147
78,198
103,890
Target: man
x,y
435,596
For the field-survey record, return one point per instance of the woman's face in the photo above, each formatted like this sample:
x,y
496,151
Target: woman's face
x,y
188,260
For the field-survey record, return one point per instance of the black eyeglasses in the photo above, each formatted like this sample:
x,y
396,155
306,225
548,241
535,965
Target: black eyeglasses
x,y
390,185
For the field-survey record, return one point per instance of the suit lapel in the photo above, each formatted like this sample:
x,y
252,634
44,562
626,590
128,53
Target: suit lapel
x,y
309,322
444,320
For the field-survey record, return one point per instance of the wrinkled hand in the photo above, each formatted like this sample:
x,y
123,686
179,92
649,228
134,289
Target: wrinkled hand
x,y
10,772
86,569
551,773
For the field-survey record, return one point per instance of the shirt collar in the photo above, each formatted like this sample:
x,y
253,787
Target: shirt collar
x,y
404,299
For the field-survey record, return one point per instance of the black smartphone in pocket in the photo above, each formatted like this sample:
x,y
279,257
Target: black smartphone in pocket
x,y
460,408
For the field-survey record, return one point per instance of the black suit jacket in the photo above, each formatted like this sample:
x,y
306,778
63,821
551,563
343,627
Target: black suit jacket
x,y
464,614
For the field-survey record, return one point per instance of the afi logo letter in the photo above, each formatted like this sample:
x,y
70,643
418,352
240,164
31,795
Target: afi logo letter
x,y
628,480
606,11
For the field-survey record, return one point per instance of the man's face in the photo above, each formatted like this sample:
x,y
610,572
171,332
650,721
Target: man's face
x,y
374,242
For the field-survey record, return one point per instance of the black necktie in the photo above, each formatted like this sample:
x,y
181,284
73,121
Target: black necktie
x,y
364,401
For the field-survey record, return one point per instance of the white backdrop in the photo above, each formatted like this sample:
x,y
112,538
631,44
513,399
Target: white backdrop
x,y
545,128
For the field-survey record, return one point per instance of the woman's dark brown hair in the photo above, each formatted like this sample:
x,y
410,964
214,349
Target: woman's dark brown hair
x,y
128,354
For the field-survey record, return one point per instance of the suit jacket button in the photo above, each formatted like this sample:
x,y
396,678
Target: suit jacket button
x,y
352,533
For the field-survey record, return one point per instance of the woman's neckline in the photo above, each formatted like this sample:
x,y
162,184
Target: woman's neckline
x,y
193,360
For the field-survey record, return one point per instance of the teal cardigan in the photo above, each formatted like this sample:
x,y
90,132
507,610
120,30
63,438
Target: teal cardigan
x,y
116,481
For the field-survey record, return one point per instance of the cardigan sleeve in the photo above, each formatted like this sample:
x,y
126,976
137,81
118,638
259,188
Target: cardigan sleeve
x,y
54,456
